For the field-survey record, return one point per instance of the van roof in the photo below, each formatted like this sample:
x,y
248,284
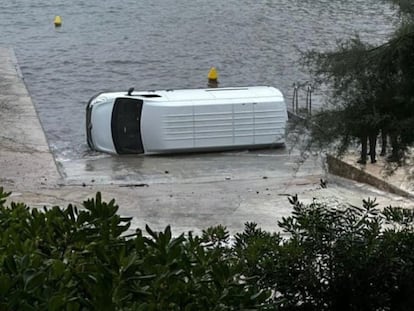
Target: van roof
x,y
211,93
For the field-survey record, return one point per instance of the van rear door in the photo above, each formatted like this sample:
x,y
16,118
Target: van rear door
x,y
126,125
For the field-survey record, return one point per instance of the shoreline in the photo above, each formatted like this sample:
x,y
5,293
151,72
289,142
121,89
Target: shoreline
x,y
189,197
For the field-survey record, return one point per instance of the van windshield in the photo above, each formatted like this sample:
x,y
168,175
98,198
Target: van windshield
x,y
126,125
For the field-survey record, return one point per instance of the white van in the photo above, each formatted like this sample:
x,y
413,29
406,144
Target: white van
x,y
190,120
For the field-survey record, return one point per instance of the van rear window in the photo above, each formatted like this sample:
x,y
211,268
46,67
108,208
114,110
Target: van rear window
x,y
126,125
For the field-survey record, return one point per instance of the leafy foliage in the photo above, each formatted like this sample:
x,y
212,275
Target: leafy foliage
x,y
84,259
370,89
325,258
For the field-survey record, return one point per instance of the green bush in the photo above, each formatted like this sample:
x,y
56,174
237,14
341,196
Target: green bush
x,y
326,258
346,258
83,259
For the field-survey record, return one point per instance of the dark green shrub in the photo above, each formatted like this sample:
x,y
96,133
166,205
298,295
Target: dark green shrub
x,y
326,258
346,258
83,259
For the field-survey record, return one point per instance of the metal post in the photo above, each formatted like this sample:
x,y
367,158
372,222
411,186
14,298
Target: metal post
x,y
309,96
295,98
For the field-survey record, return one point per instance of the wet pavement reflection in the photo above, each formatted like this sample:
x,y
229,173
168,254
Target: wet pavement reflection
x,y
278,162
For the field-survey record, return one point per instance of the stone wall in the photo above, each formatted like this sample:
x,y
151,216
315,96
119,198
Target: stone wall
x,y
346,170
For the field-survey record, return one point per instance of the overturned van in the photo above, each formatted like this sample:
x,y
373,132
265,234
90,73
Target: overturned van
x,y
192,120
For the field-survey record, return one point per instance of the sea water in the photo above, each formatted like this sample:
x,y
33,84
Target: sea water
x,y
107,45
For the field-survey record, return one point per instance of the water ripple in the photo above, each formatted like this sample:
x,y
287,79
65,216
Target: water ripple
x,y
153,44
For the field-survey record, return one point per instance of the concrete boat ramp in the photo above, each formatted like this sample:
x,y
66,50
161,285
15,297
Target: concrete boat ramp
x,y
189,192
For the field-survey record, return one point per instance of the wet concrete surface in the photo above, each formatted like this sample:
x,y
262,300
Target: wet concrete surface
x,y
24,154
188,192
189,168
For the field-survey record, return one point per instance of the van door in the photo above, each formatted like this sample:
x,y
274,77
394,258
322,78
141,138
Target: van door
x,y
126,125
269,123
243,124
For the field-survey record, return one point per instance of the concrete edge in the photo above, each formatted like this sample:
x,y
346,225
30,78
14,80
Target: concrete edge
x,y
346,170
19,75
16,66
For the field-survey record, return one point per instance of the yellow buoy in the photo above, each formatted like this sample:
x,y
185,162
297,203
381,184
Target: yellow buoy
x,y
212,77
57,21
212,74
